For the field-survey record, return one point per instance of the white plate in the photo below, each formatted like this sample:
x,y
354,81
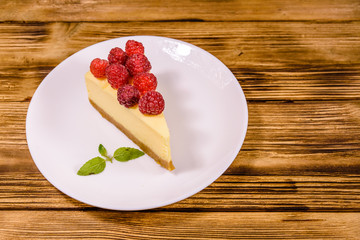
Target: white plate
x,y
205,109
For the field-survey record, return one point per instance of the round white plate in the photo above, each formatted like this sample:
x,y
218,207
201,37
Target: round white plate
x,y
205,109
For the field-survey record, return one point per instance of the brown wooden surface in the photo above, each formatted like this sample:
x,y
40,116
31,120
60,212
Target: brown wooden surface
x,y
298,173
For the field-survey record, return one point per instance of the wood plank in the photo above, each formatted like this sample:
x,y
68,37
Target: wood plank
x,y
283,138
308,137
102,10
162,225
272,61
31,191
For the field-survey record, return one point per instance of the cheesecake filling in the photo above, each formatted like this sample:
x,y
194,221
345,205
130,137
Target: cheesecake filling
x,y
150,130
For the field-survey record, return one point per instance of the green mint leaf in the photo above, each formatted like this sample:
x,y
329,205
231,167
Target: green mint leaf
x,y
93,166
102,150
124,154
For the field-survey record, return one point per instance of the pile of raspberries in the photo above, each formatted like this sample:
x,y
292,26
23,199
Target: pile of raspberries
x,y
128,72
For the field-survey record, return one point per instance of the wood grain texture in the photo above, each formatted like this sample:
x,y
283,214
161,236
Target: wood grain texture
x,y
216,10
143,225
298,173
31,191
271,60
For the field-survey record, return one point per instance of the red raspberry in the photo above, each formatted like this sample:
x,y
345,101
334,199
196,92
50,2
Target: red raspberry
x,y
133,47
128,95
151,103
98,66
117,55
138,63
117,75
145,82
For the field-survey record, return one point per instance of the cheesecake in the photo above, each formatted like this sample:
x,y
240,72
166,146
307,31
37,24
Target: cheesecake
x,y
149,132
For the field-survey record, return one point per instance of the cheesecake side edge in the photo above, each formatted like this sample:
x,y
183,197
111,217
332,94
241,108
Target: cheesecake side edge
x,y
168,165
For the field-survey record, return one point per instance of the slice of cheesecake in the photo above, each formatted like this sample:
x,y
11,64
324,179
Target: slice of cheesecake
x,y
149,132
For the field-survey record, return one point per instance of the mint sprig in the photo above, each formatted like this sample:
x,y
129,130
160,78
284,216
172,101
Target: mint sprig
x,y
97,164
102,150
93,166
125,154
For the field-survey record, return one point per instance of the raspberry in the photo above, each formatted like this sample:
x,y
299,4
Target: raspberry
x,y
117,75
145,82
98,66
117,55
138,63
151,103
133,47
128,95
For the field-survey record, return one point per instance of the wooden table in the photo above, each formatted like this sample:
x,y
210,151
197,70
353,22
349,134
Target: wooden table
x,y
298,173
